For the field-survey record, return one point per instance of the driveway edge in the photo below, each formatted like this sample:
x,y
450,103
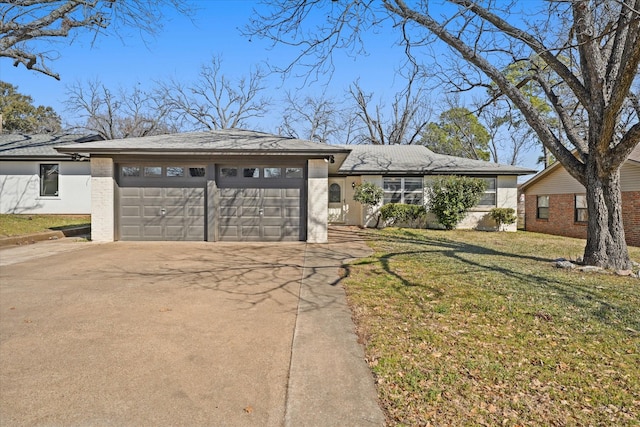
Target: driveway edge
x,y
330,383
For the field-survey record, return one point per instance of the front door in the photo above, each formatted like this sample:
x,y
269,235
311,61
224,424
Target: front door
x,y
337,200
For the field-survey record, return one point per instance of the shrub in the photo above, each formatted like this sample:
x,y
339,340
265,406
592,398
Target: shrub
x,y
398,213
503,216
451,197
370,195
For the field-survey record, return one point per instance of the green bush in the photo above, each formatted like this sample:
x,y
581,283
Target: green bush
x,y
451,197
400,213
504,216
369,195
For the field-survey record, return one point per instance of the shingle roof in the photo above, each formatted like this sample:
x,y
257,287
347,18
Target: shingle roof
x,y
403,159
227,141
16,145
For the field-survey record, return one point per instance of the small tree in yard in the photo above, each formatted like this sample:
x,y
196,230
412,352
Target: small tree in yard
x,y
451,197
369,195
503,216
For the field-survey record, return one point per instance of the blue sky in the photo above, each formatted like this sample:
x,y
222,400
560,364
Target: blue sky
x,y
184,44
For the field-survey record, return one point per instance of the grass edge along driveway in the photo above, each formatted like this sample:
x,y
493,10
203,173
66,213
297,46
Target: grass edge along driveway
x,y
476,328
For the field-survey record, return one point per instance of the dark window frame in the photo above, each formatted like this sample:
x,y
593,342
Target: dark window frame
x,y
49,176
581,214
542,212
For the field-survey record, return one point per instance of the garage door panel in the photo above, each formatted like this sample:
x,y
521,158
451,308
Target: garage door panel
x,y
162,213
260,214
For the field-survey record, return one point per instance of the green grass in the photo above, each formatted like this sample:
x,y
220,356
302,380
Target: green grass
x,y
16,225
474,328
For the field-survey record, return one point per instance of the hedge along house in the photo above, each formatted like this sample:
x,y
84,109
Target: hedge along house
x,y
37,179
238,185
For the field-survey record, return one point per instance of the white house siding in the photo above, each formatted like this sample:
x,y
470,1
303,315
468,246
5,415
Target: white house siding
x,y
20,188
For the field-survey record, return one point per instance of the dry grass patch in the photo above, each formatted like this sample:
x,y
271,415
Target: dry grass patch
x,y
472,328
16,225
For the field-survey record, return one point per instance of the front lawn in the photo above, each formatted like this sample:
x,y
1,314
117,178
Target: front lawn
x,y
475,328
16,225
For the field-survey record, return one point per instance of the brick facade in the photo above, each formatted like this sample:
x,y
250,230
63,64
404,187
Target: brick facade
x,y
102,200
562,222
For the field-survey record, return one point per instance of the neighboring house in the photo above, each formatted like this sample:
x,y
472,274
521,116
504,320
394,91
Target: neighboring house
x,y
555,202
37,179
238,185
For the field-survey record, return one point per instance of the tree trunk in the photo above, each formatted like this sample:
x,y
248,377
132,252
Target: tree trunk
x,y
606,245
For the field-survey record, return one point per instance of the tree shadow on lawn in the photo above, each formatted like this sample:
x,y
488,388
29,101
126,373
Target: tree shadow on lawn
x,y
544,279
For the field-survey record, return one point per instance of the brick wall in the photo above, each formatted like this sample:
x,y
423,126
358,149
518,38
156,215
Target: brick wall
x,y
102,200
561,217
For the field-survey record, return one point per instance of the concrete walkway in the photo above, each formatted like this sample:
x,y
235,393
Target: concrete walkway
x,y
181,334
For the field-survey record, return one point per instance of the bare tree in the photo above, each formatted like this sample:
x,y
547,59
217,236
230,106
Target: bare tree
x,y
120,113
590,48
215,101
26,23
313,118
410,113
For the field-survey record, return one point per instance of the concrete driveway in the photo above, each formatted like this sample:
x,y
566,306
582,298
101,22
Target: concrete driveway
x,y
181,334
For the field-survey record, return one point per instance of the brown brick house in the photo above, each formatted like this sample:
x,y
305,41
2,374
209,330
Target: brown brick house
x,y
555,202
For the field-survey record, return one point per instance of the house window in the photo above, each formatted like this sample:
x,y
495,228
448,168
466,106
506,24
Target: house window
x,y
489,196
228,172
581,208
334,193
49,179
543,207
403,190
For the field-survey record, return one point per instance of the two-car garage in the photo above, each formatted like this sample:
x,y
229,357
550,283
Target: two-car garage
x,y
223,185
226,202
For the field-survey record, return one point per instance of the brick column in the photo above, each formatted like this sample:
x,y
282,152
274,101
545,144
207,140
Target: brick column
x,y
102,200
317,201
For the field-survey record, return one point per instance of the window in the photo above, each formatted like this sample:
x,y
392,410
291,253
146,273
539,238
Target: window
x,y
49,179
196,172
293,173
129,171
228,172
153,171
403,190
489,196
581,208
251,172
175,171
335,195
543,207
272,172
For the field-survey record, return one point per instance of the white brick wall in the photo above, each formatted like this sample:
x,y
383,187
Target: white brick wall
x,y
318,201
102,200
